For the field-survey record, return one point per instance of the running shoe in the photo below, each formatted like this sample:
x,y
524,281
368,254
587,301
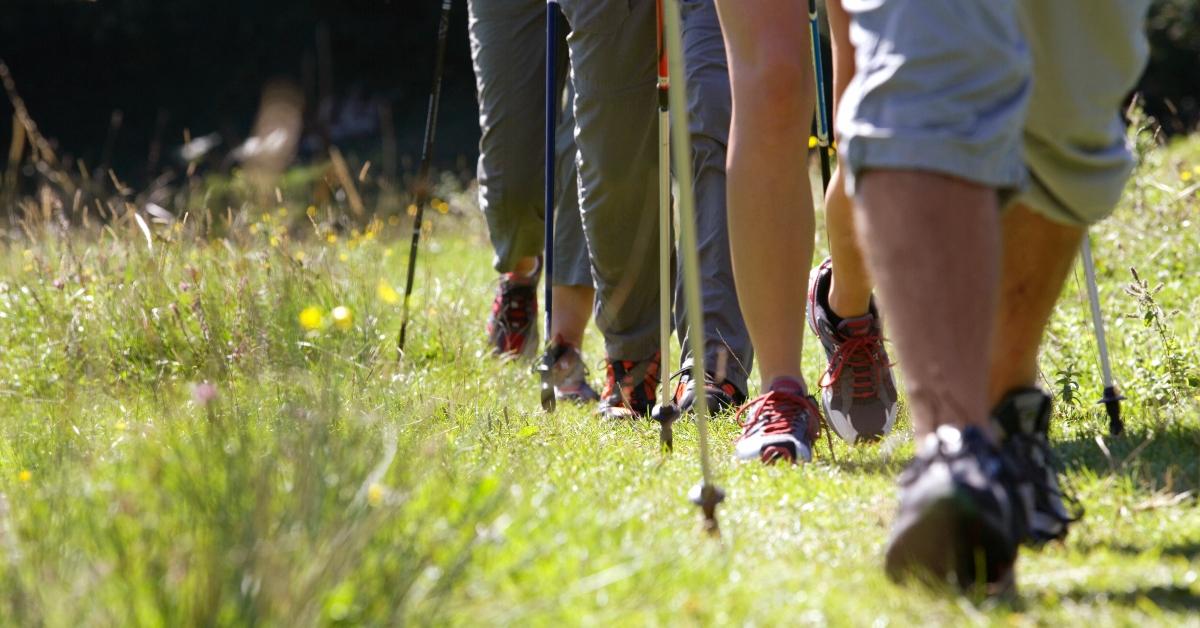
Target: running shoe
x,y
960,520
720,396
857,390
780,424
629,388
1022,419
568,375
512,325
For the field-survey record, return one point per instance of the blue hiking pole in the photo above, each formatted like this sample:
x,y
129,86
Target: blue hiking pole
x,y
822,113
544,368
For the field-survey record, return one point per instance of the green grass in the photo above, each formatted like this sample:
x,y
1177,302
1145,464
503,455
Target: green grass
x,y
325,484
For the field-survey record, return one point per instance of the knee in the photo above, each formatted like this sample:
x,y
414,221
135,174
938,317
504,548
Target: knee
x,y
773,89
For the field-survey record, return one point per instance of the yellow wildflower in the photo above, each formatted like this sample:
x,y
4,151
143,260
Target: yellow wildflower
x,y
282,211
311,317
386,293
311,211
25,475
331,238
1186,175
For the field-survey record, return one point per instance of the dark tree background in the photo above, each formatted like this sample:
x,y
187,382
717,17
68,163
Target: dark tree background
x,y
167,65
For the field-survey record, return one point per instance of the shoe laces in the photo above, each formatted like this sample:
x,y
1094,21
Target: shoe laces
x,y
863,356
777,411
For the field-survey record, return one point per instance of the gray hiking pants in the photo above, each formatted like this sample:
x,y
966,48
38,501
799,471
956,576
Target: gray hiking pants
x,y
613,71
508,48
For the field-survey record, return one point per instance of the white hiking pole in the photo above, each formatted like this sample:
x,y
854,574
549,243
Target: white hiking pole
x,y
1111,400
706,494
665,412
546,367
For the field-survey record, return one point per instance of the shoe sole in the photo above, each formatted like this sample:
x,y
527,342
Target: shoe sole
x,y
922,550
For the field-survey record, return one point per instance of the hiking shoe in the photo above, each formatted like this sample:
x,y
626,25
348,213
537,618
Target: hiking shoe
x,y
512,325
857,391
565,371
780,424
720,396
629,389
959,520
1022,418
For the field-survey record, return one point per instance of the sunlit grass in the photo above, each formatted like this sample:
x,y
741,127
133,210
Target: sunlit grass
x,y
212,427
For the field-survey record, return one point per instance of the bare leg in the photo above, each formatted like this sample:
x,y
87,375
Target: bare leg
x,y
850,287
1038,256
935,249
525,266
572,310
770,200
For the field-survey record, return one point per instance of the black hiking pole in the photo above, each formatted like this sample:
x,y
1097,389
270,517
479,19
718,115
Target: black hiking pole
x,y
706,494
423,174
1111,400
665,412
546,366
822,112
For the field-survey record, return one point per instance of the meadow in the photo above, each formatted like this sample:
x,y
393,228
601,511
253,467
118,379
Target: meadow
x,y
203,421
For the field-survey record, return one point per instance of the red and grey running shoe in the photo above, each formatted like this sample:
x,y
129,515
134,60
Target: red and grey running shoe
x,y
512,325
857,390
630,387
780,424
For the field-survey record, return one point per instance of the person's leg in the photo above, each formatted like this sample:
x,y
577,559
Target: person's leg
x,y
613,72
574,295
728,354
849,285
1076,152
930,132
1037,257
508,50
771,214
935,253
770,199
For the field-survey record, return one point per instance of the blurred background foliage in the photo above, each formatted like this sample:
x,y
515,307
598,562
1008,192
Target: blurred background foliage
x,y
107,80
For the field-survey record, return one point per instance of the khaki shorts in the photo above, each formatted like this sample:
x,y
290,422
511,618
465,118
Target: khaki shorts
x,y
1020,95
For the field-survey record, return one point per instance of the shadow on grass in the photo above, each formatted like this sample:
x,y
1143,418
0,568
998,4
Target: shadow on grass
x,y
1165,457
1176,598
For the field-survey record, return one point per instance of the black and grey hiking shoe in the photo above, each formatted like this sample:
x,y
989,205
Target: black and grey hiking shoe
x,y
720,396
959,520
1022,419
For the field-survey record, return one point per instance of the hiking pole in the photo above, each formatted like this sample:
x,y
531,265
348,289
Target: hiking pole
x,y
545,368
666,412
822,112
706,494
423,174
1111,400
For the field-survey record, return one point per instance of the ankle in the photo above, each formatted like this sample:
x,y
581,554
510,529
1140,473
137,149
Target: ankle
x,y
847,303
